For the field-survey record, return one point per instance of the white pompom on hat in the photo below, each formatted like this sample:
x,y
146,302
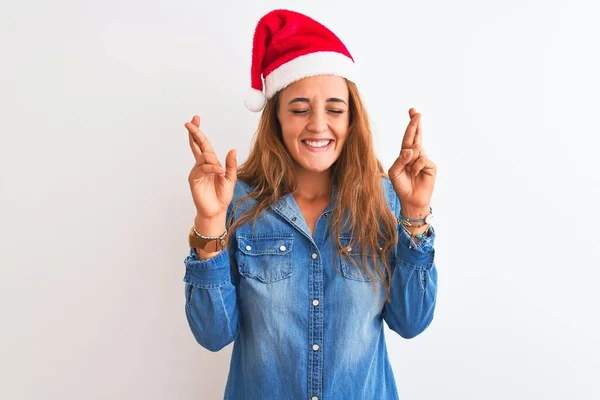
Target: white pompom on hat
x,y
255,100
289,46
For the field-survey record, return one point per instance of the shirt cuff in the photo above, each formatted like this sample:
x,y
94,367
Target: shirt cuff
x,y
416,255
212,272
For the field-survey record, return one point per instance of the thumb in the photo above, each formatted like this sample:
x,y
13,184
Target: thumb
x,y
231,165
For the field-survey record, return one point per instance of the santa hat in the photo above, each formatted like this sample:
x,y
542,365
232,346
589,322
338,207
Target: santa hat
x,y
289,46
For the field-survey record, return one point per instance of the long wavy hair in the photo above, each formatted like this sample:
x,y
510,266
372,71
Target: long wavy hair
x,y
357,173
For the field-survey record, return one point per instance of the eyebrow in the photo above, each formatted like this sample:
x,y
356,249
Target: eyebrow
x,y
306,100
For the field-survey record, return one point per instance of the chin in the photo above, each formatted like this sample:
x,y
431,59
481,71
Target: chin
x,y
317,168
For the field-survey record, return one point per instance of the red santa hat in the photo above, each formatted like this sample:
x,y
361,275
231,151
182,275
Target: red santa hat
x,y
289,46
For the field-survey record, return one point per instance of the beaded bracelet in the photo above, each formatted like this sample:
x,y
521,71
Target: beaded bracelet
x,y
427,233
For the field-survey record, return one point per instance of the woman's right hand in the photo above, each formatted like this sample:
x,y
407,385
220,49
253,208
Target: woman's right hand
x,y
211,184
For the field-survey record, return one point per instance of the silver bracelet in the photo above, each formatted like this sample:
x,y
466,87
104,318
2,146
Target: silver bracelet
x,y
407,222
210,237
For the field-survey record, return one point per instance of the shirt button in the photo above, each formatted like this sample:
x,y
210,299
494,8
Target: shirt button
x,y
315,302
293,218
315,347
248,248
325,214
314,255
314,398
349,248
282,248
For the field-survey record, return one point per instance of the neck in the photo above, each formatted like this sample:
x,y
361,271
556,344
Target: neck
x,y
313,186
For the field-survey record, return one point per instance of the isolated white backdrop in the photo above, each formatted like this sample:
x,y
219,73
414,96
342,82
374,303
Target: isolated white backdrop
x,y
95,206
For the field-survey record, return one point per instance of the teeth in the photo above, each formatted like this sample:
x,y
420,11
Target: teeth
x,y
320,143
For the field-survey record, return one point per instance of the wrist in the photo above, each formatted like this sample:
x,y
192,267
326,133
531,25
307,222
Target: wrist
x,y
214,226
413,212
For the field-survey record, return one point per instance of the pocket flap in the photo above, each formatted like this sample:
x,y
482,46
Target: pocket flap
x,y
353,249
267,244
355,272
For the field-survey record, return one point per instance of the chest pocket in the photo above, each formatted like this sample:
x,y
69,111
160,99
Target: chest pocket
x,y
266,258
349,270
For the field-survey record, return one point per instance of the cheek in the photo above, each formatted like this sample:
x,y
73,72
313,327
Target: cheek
x,y
340,129
289,137
340,124
290,131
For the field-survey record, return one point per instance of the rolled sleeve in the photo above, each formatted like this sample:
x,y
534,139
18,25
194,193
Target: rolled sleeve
x,y
416,255
209,273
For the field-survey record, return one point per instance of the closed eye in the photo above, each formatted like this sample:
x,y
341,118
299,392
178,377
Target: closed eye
x,y
301,112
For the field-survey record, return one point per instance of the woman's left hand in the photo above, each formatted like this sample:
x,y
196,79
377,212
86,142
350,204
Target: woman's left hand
x,y
413,174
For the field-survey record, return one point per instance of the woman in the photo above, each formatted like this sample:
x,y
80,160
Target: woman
x,y
310,245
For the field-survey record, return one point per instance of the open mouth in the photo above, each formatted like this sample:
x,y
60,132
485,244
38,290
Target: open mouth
x,y
318,146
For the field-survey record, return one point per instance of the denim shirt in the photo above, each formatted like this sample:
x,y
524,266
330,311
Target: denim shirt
x,y
301,330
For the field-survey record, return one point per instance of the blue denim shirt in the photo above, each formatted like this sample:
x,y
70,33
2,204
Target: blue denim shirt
x,y
300,329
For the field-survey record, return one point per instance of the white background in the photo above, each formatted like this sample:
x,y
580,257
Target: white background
x,y
95,205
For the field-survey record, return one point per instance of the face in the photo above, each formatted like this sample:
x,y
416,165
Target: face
x,y
312,110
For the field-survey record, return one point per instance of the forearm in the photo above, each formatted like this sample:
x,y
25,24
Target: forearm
x,y
412,301
414,282
211,300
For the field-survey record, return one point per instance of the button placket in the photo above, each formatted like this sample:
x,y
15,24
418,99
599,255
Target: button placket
x,y
315,332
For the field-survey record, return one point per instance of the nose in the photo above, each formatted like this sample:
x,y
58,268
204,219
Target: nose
x,y
318,121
